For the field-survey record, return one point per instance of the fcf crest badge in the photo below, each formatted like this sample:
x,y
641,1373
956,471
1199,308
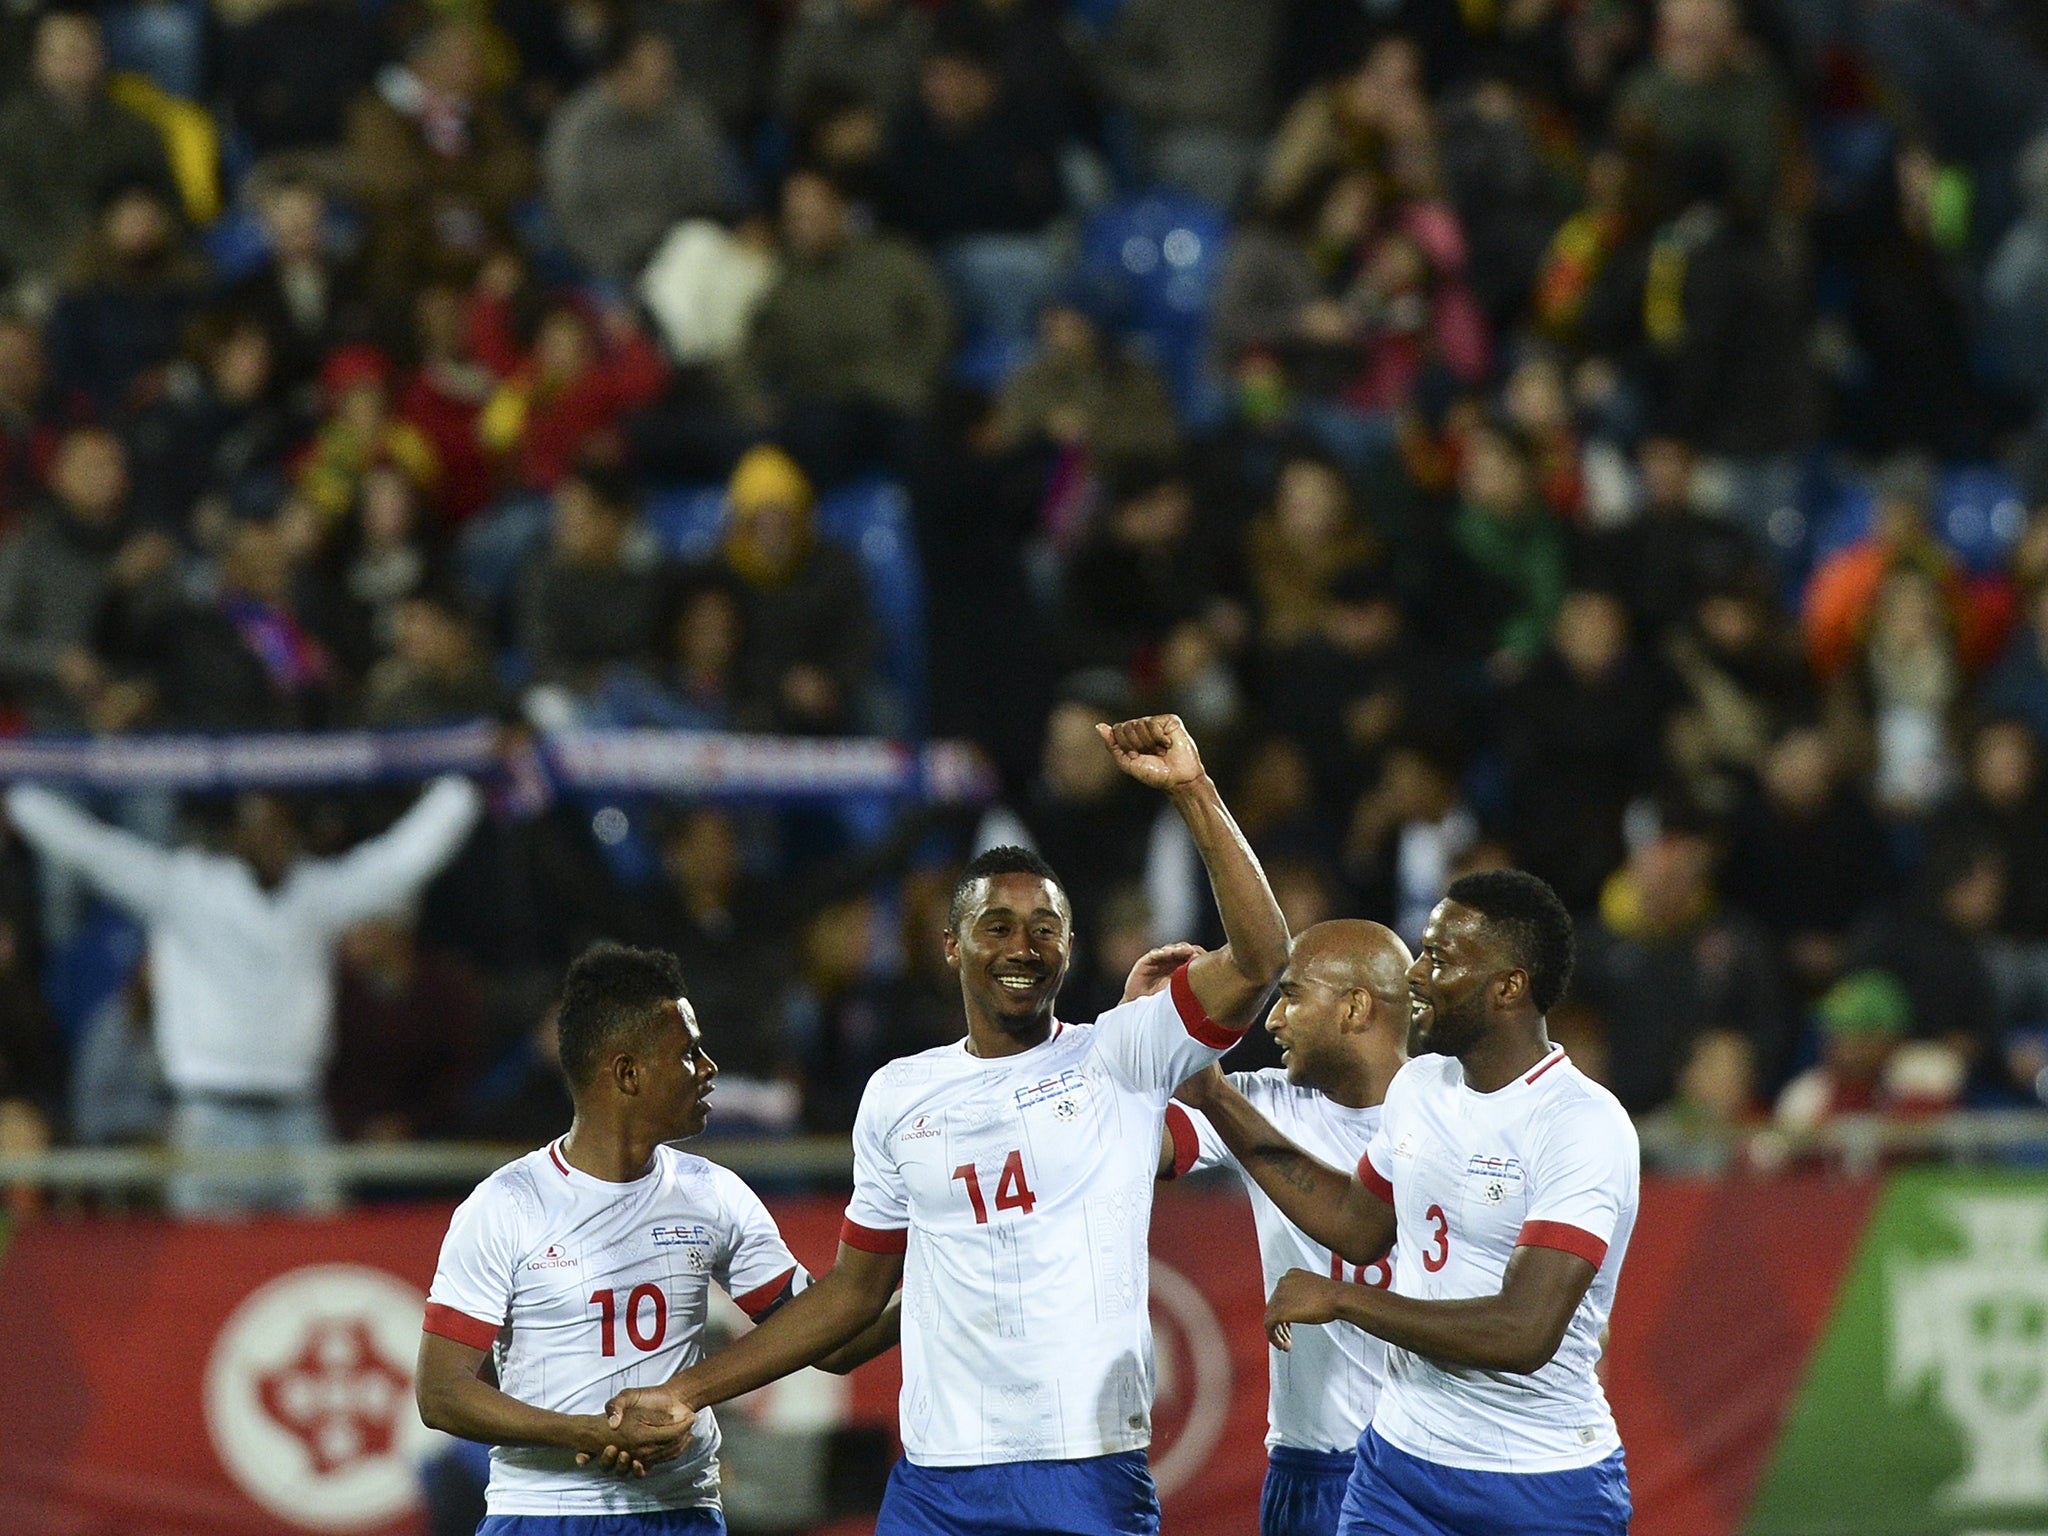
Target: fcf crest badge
x,y
1976,1326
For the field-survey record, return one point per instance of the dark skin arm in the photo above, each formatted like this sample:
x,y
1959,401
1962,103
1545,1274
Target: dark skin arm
x,y
1230,982
827,1320
1517,1329
1332,1207
454,1399
878,1338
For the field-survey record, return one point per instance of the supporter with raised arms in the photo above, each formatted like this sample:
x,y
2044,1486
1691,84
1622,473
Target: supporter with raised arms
x,y
1510,1181
1007,1181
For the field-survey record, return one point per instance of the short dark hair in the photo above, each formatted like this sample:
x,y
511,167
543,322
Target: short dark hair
x,y
1524,913
1007,859
612,996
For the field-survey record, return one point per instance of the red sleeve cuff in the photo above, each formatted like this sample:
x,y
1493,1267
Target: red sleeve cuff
x,y
873,1239
460,1326
1186,1145
759,1300
1376,1182
1564,1236
1194,1020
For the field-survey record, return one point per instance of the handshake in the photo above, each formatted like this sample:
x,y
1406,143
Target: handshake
x,y
640,1428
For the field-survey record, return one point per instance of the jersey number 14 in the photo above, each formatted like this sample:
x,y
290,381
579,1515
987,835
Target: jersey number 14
x,y
1012,1193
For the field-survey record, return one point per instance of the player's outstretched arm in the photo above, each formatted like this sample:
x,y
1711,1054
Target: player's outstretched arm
x,y
824,1319
1517,1329
1331,1206
455,1400
1230,982
878,1338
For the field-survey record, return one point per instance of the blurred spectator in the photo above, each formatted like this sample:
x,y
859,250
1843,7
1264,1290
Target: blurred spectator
x,y
1706,93
443,398
1911,679
1196,75
1408,832
1028,43
2004,802
1933,939
1672,553
80,554
865,51
2018,685
1373,118
408,1028
1582,734
629,156
435,163
1864,1067
2015,318
1807,856
852,338
968,174
718,53
1509,194
216,442
1717,1096
64,144
118,1095
1741,681
1123,938
594,595
359,429
1664,964
354,581
561,394
306,296
121,314
807,642
1144,569
32,416
1511,576
695,681
1300,548
289,71
833,1020
1085,393
242,949
436,671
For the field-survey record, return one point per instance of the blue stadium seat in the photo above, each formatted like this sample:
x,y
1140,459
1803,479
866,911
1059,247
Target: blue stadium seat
x,y
1148,268
869,517
1979,513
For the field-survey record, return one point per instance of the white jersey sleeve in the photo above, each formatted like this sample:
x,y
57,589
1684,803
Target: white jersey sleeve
x,y
471,1296
1157,1043
1582,1177
878,1215
753,1264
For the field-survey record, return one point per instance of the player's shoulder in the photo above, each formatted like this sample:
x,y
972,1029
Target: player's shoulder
x,y
1424,1075
1573,1102
896,1086
1269,1088
698,1179
515,1193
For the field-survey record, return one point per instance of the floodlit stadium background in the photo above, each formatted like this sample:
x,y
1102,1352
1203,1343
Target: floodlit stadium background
x,y
757,440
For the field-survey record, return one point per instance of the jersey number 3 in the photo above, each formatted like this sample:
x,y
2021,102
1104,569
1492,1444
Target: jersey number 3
x,y
607,1304
1012,1193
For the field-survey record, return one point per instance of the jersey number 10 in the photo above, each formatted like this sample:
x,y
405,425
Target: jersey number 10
x,y
1012,1193
607,1305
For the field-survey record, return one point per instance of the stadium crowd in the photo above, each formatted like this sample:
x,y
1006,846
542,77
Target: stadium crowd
x,y
1591,435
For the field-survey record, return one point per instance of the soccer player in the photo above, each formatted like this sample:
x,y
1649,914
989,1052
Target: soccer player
x,y
1509,1179
586,1268
1341,1021
1007,1181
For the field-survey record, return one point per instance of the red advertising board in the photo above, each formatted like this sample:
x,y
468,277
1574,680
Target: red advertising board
x,y
255,1378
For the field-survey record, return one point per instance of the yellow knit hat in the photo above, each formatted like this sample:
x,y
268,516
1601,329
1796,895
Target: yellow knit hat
x,y
766,475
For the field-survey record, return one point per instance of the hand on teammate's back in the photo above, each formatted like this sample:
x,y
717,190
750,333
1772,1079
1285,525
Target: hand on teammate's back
x,y
1155,969
650,1425
1156,750
1300,1297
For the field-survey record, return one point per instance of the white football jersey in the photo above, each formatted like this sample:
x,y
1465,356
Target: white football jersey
x,y
1019,1191
1549,1161
584,1288
1321,1393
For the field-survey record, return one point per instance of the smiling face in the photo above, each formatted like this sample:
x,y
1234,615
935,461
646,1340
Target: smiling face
x,y
677,1074
1011,948
1307,1022
1451,982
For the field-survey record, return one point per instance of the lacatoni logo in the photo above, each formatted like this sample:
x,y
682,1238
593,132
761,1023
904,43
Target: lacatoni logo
x,y
921,1127
556,1257
309,1398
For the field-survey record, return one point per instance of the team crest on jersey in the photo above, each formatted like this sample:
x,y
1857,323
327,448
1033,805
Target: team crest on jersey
x,y
1058,1088
1498,1176
696,1238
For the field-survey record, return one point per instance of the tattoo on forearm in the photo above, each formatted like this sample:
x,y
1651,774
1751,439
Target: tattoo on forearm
x,y
1291,1167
